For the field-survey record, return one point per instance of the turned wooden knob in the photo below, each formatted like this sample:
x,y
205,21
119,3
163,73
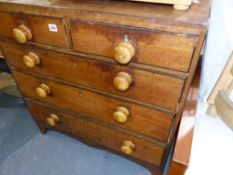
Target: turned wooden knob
x,y
31,60
127,147
43,90
52,120
122,81
22,34
121,114
124,52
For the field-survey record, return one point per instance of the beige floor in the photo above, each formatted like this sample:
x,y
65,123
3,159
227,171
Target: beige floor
x,y
8,85
6,80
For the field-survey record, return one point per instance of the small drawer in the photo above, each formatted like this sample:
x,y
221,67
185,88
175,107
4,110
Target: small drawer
x,y
130,145
119,113
149,87
125,44
38,29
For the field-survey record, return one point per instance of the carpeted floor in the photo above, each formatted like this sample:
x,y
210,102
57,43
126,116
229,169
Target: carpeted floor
x,y
24,151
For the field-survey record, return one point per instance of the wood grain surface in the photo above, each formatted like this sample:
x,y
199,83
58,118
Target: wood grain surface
x,y
152,48
144,149
158,89
183,146
74,75
39,27
144,15
88,103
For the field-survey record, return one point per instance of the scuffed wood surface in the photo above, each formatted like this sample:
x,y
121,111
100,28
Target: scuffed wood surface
x,y
153,16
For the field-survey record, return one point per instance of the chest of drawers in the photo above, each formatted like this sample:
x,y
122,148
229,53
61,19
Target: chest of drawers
x,y
114,74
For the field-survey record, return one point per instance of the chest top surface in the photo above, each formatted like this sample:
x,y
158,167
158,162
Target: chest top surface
x,y
135,14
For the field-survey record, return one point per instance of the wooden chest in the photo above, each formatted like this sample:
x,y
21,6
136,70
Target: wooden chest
x,y
114,74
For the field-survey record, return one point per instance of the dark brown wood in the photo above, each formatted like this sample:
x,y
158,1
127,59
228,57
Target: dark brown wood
x,y
144,149
38,27
158,89
77,68
88,103
43,128
144,15
152,48
182,151
193,67
160,70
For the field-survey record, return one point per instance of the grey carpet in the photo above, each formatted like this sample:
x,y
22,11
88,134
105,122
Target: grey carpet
x,y
24,151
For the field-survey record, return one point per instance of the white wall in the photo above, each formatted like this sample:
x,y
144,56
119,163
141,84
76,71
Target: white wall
x,y
212,152
219,45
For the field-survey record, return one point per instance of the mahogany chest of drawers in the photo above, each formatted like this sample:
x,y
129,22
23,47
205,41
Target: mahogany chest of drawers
x,y
114,74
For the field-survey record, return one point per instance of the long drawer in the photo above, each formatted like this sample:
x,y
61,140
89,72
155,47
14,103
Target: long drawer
x,y
39,29
148,87
143,149
103,108
152,48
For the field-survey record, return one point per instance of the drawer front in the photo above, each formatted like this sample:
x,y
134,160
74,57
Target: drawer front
x,y
148,87
102,107
44,30
152,48
77,126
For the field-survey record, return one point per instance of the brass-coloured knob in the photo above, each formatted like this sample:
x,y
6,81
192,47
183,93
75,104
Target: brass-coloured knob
x,y
22,34
127,147
31,60
52,120
122,81
121,114
124,52
43,90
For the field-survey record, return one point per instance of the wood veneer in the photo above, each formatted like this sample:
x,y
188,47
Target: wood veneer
x,y
152,48
73,73
38,26
84,102
100,75
87,129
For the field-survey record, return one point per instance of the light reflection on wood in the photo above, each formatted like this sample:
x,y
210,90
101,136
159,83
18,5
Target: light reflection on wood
x,y
183,145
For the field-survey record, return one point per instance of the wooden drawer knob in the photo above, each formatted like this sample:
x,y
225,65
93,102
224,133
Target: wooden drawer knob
x,y
22,34
122,81
124,53
43,90
31,60
52,120
127,147
121,114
